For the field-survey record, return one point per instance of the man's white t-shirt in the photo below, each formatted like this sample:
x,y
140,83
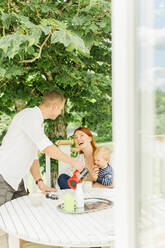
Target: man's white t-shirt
x,y
20,145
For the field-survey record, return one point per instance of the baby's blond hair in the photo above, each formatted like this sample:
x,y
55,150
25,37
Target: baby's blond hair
x,y
106,151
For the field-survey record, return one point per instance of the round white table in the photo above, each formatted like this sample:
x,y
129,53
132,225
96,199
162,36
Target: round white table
x,y
47,225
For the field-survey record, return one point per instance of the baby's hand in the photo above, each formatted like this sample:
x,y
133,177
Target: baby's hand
x,y
95,172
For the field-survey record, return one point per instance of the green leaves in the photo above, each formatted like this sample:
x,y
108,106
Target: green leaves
x,y
69,40
62,37
56,45
80,20
53,23
2,72
24,20
10,71
35,37
6,19
77,43
13,44
46,29
159,111
10,44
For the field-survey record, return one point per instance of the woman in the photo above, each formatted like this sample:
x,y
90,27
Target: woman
x,y
83,139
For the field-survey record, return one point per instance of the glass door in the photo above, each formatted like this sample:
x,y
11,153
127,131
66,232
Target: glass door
x,y
151,92
138,33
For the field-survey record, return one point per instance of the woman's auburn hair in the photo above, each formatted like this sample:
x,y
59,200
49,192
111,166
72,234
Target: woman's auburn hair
x,y
88,132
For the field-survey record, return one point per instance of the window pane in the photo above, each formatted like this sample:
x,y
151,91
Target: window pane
x,y
151,86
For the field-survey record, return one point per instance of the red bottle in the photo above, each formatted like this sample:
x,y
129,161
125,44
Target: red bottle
x,y
77,177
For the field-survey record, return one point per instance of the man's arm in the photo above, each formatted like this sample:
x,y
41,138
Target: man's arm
x,y
55,153
35,171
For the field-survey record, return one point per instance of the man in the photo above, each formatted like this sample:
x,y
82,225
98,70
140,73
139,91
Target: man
x,y
25,136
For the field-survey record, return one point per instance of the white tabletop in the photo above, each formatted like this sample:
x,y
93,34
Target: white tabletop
x,y
47,225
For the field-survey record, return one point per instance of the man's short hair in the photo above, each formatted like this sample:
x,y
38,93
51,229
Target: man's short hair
x,y
106,151
52,96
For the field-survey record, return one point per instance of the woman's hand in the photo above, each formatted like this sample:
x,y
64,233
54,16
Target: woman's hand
x,y
44,188
95,172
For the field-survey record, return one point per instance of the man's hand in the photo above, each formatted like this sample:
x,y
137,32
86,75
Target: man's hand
x,y
44,188
55,153
78,165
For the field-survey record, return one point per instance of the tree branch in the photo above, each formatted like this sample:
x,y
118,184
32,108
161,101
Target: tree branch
x,y
39,54
3,30
78,8
13,5
49,76
67,4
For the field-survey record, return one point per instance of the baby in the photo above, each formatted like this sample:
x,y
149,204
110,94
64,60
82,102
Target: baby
x,y
102,157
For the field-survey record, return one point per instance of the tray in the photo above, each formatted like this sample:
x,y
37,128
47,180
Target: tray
x,y
90,205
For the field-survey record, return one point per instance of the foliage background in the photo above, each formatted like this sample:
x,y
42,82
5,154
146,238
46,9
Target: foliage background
x,y
63,45
159,113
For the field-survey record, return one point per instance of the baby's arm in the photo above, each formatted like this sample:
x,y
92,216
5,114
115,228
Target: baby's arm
x,y
107,178
94,173
99,185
